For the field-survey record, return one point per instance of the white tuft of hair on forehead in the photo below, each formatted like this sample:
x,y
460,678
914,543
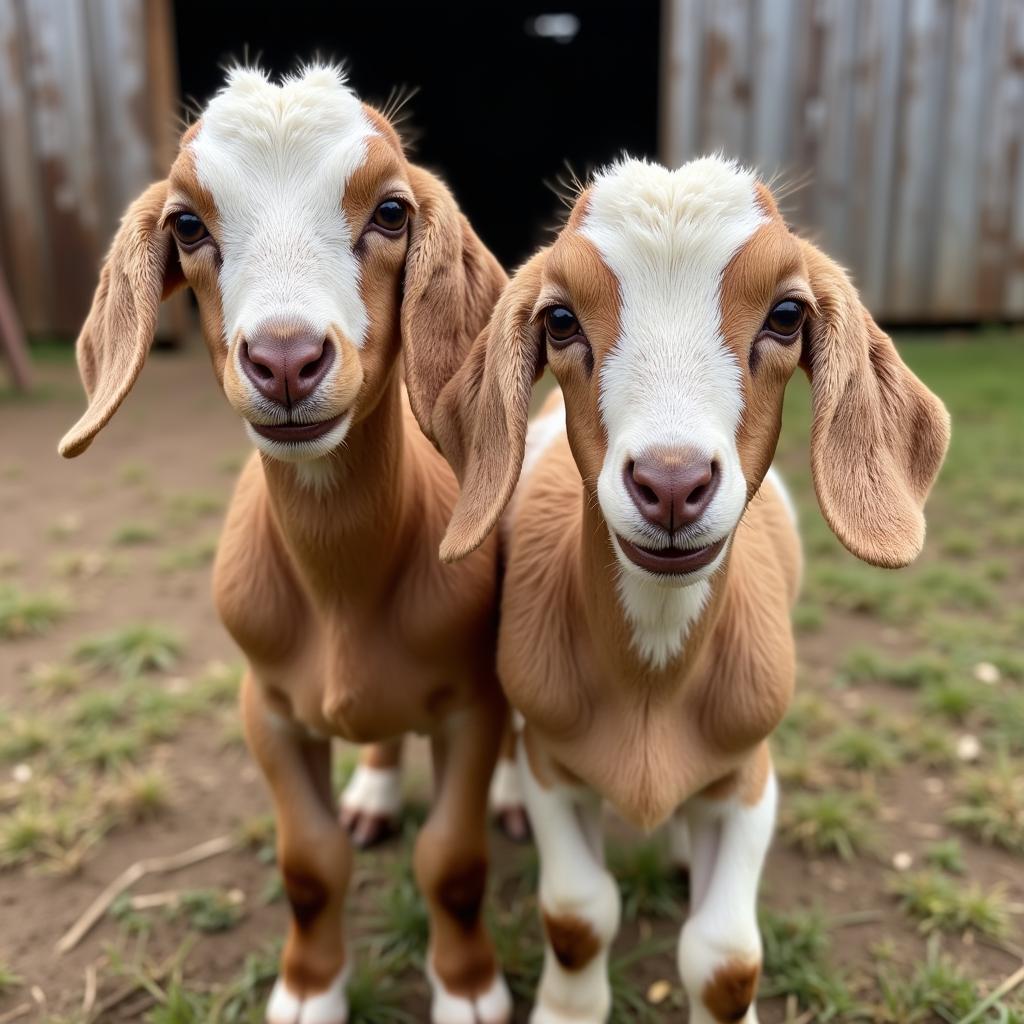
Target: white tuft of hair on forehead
x,y
670,379
276,159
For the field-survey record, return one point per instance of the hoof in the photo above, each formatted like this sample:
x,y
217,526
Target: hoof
x,y
494,1006
366,830
327,1007
513,823
370,805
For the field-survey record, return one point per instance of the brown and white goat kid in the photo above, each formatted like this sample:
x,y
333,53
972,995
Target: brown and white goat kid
x,y
323,262
652,559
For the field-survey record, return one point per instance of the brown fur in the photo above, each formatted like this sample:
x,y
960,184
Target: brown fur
x,y
730,991
572,939
349,624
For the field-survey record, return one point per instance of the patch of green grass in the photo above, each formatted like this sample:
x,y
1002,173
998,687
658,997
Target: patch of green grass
x,y
990,804
648,884
134,534
132,650
188,508
374,993
23,736
954,698
865,664
401,922
932,746
24,614
861,749
937,989
808,617
629,1002
24,833
946,855
796,963
105,749
189,556
9,981
99,708
958,543
833,822
142,795
938,903
211,910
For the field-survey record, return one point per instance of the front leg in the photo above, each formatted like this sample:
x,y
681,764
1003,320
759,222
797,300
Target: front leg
x,y
720,945
450,862
371,804
579,901
315,859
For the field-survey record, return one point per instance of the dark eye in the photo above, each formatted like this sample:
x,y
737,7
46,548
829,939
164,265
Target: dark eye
x,y
785,319
562,326
391,215
188,229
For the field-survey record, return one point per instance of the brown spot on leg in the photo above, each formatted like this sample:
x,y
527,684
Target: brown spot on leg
x,y
307,896
461,893
730,991
572,939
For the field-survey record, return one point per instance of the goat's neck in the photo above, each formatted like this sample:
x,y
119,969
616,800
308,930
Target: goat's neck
x,y
345,518
641,630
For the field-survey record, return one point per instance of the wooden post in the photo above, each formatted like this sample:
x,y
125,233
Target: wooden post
x,y
12,340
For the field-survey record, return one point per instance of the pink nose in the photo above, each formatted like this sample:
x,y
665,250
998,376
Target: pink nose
x,y
286,366
672,488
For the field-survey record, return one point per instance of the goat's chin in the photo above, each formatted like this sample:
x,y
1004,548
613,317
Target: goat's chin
x,y
301,452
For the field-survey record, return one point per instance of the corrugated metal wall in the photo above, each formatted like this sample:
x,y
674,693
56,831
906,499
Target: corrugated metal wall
x,y
88,99
902,119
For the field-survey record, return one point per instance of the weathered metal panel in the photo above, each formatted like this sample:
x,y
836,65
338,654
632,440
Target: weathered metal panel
x,y
84,131
900,122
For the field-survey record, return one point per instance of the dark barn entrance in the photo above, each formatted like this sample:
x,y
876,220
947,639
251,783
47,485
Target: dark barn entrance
x,y
508,91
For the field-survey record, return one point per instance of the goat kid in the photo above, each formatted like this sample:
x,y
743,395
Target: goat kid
x,y
322,261
652,557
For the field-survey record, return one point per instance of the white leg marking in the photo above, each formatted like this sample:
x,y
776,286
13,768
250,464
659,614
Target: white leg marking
x,y
492,1007
375,791
575,886
327,1007
729,843
506,790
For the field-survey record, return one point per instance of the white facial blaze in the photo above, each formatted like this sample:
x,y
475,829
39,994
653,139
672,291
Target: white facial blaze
x,y
276,159
671,380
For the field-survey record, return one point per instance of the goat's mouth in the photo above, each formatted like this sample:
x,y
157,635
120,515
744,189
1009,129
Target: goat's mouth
x,y
670,561
296,432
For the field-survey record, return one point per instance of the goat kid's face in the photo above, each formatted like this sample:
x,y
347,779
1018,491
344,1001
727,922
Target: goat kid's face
x,y
673,308
309,242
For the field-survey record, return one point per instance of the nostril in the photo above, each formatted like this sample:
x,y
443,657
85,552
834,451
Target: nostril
x,y
314,366
641,490
261,370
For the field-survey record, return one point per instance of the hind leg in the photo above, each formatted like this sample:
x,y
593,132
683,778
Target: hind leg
x,y
371,804
507,803
450,862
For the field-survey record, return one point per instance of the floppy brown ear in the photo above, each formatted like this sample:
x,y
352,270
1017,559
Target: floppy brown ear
x,y
140,270
878,435
481,414
451,284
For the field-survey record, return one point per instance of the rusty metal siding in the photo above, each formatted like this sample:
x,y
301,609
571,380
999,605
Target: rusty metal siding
x,y
86,118
902,121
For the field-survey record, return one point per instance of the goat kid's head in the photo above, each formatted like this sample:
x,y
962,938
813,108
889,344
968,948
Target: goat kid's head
x,y
316,253
673,308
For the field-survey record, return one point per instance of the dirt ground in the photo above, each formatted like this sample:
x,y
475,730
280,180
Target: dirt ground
x,y
894,890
